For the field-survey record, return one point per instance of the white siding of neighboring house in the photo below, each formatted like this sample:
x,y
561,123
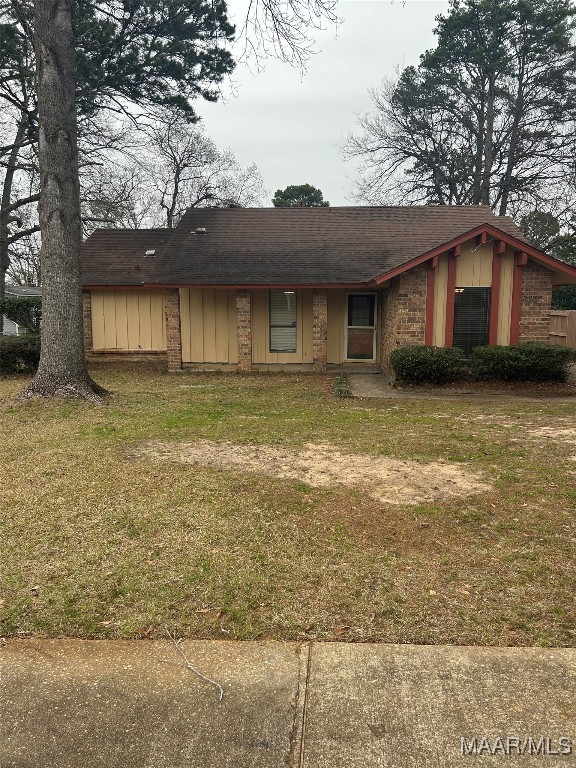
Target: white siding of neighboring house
x,y
12,329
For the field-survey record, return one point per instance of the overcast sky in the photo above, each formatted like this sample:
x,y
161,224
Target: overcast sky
x,y
291,125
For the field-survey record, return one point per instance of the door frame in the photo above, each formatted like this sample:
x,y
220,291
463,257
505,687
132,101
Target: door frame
x,y
346,359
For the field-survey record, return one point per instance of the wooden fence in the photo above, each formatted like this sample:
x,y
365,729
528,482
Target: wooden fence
x,y
563,327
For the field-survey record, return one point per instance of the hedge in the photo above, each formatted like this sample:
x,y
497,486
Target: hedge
x,y
19,354
427,365
522,362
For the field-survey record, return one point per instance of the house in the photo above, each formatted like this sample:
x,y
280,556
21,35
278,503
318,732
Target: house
x,y
9,327
315,286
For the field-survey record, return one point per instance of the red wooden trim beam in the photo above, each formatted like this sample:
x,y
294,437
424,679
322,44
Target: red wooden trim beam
x,y
450,295
430,284
520,260
495,293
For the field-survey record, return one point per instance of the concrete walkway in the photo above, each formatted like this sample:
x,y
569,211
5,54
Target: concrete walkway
x,y
377,386
101,704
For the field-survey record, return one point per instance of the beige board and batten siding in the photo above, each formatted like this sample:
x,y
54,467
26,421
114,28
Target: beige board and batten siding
x,y
506,286
336,309
440,290
261,353
128,320
474,266
208,325
474,270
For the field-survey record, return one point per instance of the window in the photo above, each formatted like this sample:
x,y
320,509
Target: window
x,y
361,310
282,321
471,316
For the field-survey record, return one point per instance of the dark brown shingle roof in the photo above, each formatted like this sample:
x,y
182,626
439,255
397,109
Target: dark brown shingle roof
x,y
267,246
118,256
23,290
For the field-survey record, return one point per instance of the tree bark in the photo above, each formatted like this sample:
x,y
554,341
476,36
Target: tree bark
x,y
488,141
506,183
62,370
477,182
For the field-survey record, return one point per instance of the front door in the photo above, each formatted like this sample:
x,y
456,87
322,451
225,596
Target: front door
x,y
361,327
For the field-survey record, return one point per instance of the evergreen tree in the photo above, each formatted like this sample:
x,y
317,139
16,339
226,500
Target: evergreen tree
x,y
299,195
126,52
487,116
544,231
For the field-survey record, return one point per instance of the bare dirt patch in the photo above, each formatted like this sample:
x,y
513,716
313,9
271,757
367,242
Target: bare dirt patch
x,y
553,433
389,480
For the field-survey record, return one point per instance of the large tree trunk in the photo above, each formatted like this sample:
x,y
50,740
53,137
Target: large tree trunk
x,y
488,141
62,370
477,181
506,183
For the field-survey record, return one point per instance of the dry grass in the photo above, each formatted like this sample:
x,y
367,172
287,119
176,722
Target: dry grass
x,y
99,540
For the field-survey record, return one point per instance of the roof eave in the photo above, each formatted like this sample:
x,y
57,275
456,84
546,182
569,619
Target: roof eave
x,y
497,234
228,286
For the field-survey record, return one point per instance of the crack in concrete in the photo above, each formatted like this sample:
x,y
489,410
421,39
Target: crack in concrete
x,y
297,732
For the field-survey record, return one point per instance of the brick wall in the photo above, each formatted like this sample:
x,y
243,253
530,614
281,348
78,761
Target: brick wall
x,y
319,329
87,321
388,308
173,331
244,329
403,313
536,302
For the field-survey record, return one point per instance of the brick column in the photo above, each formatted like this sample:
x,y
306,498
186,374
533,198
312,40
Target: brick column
x,y
403,313
536,303
87,321
244,329
411,307
173,332
319,329
387,309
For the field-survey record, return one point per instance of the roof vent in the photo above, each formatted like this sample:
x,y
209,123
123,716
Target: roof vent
x,y
199,231
151,252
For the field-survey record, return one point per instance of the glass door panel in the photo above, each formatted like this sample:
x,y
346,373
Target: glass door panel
x,y
361,327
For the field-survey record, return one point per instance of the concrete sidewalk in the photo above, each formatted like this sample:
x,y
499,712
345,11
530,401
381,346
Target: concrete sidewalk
x,y
377,386
85,704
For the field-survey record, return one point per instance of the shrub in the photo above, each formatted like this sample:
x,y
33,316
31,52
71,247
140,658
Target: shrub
x,y
19,354
427,365
522,362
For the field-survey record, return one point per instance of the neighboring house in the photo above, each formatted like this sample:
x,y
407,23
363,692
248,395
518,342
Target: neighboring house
x,y
315,286
10,328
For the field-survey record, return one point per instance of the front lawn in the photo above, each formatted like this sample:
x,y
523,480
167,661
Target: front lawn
x,y
262,506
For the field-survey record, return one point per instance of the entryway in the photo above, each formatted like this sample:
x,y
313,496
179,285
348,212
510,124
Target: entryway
x,y
361,326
